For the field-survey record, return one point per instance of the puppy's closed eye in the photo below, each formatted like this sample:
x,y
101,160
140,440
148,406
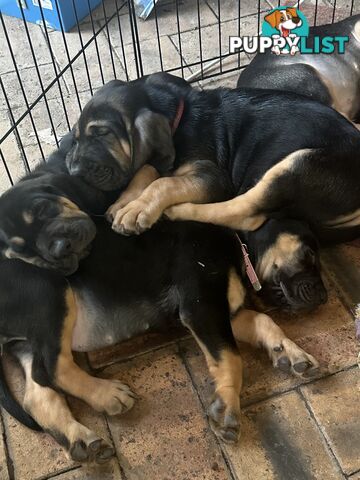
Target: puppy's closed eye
x,y
100,131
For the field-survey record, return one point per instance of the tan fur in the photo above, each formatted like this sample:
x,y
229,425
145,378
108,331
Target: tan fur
x,y
285,248
258,329
108,396
184,185
142,179
236,291
240,213
50,409
344,221
69,209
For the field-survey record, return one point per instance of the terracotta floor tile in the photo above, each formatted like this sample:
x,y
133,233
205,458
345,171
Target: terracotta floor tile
x,y
141,344
109,471
334,349
166,435
35,454
4,474
334,402
343,266
280,440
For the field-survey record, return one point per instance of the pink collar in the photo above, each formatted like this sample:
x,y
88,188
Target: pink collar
x,y
178,115
250,271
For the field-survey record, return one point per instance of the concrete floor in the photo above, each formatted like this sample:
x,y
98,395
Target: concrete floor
x,y
290,430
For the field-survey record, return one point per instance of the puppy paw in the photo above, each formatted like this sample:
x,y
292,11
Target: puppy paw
x,y
135,218
290,358
113,397
90,449
224,422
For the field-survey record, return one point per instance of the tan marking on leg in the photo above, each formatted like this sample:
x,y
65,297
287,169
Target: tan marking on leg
x,y
142,179
236,291
142,213
19,241
240,213
345,221
224,410
259,329
284,250
110,396
52,413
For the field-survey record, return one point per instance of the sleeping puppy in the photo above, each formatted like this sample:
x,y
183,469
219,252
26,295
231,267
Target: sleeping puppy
x,y
285,254
115,294
226,143
331,79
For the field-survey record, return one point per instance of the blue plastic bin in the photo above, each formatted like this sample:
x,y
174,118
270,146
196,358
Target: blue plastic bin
x,y
50,8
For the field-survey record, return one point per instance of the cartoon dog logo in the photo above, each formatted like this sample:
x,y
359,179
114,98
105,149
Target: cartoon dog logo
x,y
284,21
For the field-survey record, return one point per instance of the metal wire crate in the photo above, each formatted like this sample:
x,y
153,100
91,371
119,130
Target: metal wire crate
x,y
47,76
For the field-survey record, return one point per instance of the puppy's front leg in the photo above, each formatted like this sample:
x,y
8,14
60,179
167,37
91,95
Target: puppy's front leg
x,y
259,329
195,182
142,179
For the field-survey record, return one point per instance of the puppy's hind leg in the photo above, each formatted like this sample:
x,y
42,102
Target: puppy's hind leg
x,y
259,329
51,412
108,396
209,322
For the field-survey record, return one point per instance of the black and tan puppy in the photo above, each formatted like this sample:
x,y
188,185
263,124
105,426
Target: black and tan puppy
x,y
125,287
331,79
227,142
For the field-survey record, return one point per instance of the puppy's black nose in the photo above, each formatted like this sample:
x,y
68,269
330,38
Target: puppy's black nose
x,y
60,248
296,20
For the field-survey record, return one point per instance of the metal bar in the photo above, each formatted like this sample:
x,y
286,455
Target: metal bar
x,y
17,136
137,40
82,50
316,10
134,44
39,78
179,38
67,53
21,84
219,25
51,84
121,40
54,65
158,36
96,43
108,37
6,168
334,10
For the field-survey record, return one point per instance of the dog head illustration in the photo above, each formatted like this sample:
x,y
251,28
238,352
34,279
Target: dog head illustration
x,y
284,20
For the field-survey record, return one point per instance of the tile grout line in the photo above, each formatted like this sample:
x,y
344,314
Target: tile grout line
x,y
295,387
227,462
58,473
324,437
9,460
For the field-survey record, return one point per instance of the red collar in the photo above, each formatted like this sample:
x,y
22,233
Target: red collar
x,y
178,115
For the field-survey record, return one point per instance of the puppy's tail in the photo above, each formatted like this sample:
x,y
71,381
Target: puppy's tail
x,y
9,404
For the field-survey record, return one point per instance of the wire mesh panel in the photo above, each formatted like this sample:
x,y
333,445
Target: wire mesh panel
x,y
47,76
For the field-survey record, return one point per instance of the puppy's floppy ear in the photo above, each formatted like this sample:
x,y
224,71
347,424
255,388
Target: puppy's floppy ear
x,y
151,141
292,11
273,18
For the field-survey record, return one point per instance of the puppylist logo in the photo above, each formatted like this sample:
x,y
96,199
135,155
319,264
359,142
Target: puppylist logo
x,y
285,30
